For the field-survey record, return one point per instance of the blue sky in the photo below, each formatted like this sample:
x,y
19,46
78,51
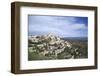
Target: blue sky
x,y
63,26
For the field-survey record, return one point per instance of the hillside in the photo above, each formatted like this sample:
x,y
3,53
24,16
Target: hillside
x,y
47,47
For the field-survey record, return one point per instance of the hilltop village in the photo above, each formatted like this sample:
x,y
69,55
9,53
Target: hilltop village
x,y
48,47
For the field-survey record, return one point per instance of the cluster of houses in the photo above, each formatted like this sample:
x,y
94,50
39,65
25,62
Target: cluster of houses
x,y
48,44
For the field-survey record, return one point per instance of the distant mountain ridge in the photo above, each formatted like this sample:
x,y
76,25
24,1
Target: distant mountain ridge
x,y
76,38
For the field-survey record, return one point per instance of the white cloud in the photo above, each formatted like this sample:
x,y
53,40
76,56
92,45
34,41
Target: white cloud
x,y
79,26
62,26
